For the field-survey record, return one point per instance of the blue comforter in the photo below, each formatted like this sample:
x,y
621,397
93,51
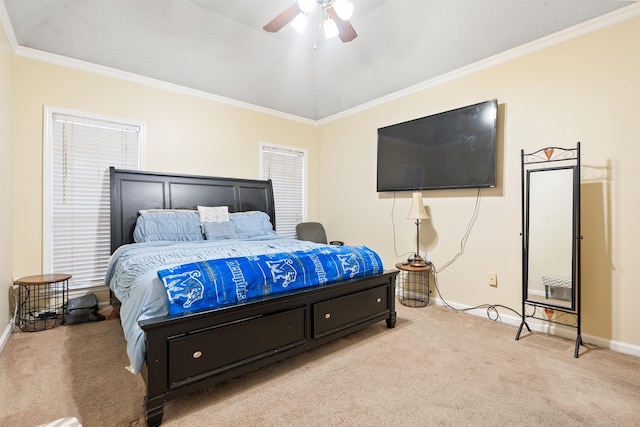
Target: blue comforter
x,y
133,276
220,282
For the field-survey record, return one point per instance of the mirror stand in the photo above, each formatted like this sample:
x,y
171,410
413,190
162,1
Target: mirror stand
x,y
551,238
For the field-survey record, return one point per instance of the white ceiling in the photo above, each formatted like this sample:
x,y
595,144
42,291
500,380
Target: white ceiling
x,y
219,46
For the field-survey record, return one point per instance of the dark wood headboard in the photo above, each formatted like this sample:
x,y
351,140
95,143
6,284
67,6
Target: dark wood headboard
x,y
132,191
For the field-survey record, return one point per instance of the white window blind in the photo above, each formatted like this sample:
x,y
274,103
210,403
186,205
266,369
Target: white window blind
x,y
286,168
81,152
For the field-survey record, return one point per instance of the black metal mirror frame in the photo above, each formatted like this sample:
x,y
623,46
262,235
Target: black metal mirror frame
x,y
526,261
552,159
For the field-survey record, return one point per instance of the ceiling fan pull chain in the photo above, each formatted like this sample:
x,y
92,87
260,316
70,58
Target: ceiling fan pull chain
x,y
315,32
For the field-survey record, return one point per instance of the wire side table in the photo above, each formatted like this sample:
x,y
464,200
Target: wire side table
x,y
42,301
413,285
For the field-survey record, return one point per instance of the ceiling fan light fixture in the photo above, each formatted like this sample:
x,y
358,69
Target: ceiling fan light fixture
x,y
330,29
344,9
334,23
306,6
299,23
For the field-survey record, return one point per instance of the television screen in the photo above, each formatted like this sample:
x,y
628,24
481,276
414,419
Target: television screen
x,y
453,149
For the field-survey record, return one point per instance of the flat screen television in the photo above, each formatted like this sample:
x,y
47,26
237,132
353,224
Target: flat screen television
x,y
453,149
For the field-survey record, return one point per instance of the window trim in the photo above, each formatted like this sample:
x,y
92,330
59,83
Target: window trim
x,y
305,189
47,167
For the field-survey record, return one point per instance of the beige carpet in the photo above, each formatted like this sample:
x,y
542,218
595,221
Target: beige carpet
x,y
437,367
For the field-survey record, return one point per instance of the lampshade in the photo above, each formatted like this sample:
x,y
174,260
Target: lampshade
x,y
300,22
306,6
417,210
330,28
343,8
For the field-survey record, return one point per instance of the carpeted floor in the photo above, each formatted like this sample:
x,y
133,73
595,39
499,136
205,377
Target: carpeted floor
x,y
437,367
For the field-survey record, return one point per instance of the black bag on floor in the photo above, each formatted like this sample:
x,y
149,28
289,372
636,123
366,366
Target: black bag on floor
x,y
83,309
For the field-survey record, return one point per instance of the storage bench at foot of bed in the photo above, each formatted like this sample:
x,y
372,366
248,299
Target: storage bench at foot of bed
x,y
194,352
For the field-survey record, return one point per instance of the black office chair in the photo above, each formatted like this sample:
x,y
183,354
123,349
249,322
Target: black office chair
x,y
311,231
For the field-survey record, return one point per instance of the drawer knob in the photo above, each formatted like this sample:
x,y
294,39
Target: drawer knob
x,y
197,355
327,316
379,299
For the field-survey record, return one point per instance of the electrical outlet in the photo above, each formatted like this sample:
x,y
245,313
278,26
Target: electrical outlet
x,y
493,279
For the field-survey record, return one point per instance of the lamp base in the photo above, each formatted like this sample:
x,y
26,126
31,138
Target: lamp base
x,y
418,261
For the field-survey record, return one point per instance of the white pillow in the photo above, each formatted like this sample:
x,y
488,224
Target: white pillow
x,y
213,213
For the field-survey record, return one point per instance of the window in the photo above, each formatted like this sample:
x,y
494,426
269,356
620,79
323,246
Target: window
x,y
78,152
286,167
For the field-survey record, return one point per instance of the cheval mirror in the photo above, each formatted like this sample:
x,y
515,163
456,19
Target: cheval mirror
x,y
551,238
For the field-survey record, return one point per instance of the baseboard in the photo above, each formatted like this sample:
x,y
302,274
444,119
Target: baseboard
x,y
4,339
509,319
556,330
620,347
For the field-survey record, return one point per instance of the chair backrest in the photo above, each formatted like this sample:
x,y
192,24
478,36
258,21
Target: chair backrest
x,y
311,231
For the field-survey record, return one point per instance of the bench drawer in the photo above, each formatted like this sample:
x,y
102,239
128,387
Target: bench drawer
x,y
342,312
201,352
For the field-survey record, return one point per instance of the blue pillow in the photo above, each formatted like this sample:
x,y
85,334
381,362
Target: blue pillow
x,y
251,224
219,230
168,226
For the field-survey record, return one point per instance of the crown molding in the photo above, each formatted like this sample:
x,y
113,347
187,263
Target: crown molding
x,y
612,18
607,20
89,67
8,28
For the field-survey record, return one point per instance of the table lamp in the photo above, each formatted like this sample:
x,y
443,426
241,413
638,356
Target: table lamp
x,y
418,213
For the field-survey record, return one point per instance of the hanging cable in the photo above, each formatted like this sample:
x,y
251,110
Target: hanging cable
x,y
492,309
465,237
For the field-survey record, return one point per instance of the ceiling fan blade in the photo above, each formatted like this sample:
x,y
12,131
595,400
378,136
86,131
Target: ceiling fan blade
x,y
345,29
277,23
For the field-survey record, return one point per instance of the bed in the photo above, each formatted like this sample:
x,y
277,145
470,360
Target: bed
x,y
180,352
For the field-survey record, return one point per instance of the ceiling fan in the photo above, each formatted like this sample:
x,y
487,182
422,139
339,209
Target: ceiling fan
x,y
335,18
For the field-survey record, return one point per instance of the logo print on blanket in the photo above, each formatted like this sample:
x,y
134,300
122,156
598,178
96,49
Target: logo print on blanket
x,y
185,285
349,264
282,272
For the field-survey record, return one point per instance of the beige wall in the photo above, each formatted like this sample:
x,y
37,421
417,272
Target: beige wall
x,y
185,134
582,90
587,90
6,258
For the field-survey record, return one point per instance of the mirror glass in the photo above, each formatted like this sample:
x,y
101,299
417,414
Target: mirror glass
x,y
550,218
